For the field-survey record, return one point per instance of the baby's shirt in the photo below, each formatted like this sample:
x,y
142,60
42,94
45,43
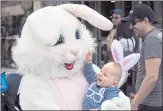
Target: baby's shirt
x,y
96,95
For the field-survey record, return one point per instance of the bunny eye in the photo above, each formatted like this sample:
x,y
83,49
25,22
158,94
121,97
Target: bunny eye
x,y
77,34
60,40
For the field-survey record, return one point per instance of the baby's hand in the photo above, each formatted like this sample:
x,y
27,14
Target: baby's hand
x,y
89,58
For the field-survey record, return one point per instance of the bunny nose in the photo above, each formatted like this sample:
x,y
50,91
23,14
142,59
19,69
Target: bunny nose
x,y
75,52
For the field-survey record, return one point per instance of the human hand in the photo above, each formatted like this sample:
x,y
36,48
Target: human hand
x,y
88,58
134,107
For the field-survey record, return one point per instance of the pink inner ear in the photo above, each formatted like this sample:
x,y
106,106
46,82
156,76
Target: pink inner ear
x,y
126,62
115,54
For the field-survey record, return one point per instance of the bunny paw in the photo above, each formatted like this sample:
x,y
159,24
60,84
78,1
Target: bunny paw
x,y
109,105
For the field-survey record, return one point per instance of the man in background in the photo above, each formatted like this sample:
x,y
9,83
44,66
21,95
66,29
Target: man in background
x,y
149,77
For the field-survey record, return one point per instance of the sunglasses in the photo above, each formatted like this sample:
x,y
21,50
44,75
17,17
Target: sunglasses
x,y
134,22
114,17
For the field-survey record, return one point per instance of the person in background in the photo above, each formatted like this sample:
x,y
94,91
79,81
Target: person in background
x,y
117,16
125,35
149,78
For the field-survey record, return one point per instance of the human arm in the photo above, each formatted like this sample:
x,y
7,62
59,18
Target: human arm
x,y
111,36
153,57
89,72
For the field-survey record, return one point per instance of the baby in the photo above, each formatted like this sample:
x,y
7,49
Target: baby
x,y
103,86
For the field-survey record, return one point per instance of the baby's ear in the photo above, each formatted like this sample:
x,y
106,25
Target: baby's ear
x,y
117,51
130,61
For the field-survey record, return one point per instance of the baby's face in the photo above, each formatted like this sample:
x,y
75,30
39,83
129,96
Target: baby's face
x,y
106,77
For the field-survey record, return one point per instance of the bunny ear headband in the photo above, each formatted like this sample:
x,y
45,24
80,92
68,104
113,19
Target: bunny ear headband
x,y
126,63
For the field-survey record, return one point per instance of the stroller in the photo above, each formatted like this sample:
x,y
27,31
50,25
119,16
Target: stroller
x,y
9,88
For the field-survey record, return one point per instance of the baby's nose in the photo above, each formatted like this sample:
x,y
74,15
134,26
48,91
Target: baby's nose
x,y
99,74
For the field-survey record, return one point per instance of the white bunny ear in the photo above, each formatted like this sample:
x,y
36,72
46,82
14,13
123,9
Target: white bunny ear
x,y
89,15
130,61
117,51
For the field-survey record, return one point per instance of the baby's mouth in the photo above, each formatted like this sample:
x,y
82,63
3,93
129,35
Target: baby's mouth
x,y
69,66
99,79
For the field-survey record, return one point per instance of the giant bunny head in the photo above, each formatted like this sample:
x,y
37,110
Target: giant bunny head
x,y
53,41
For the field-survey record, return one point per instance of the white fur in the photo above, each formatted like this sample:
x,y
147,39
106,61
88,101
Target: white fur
x,y
91,16
40,59
35,53
109,105
117,103
39,94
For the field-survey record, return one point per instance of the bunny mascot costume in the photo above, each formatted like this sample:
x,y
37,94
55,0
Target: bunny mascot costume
x,y
51,54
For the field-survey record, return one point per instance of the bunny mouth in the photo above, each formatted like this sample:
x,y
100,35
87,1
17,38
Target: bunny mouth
x,y
69,66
